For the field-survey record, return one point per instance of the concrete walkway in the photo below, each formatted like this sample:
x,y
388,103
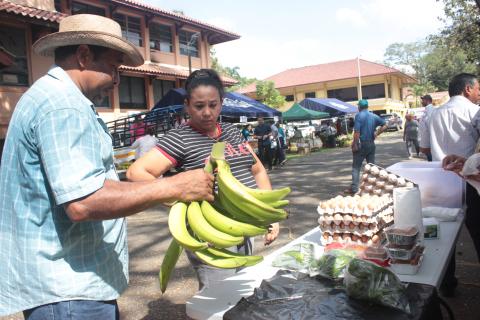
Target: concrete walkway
x,y
316,177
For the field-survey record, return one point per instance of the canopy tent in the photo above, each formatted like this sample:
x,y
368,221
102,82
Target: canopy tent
x,y
297,112
333,106
234,105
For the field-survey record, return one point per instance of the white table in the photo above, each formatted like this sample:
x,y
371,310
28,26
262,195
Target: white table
x,y
212,302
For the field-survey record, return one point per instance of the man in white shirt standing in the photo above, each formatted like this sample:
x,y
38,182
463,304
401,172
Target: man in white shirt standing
x,y
454,128
427,104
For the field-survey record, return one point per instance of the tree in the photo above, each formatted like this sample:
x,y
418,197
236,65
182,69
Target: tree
x,y
270,96
432,62
462,28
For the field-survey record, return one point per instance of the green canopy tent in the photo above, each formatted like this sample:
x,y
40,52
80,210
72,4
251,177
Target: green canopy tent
x,y
298,113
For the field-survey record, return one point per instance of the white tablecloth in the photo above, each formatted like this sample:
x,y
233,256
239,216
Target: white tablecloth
x,y
213,302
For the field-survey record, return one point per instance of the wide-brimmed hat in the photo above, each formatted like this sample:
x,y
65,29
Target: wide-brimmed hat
x,y
89,29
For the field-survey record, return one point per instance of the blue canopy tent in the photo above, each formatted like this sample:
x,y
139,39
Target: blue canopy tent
x,y
234,105
333,106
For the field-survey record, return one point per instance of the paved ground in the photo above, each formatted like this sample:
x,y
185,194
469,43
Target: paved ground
x,y
312,178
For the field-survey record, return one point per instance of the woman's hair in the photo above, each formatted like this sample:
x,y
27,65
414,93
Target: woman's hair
x,y
203,77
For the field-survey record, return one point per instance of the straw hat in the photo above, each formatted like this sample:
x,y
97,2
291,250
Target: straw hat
x,y
89,29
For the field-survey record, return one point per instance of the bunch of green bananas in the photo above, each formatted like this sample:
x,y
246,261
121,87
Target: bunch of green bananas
x,y
209,229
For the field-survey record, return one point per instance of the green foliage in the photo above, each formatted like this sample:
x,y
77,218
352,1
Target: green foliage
x,y
462,29
270,96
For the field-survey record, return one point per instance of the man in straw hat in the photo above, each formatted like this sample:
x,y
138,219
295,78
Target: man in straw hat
x,y
62,208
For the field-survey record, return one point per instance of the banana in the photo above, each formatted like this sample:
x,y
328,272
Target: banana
x,y
260,194
245,201
206,232
220,262
178,228
279,203
269,195
251,260
169,261
228,225
236,213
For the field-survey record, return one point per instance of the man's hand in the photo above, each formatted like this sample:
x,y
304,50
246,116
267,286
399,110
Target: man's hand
x,y
453,163
193,185
272,234
475,177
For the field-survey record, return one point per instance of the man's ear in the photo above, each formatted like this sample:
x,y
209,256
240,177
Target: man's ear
x,y
84,56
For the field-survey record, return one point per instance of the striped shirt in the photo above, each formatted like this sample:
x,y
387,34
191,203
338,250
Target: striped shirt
x,y
189,149
56,151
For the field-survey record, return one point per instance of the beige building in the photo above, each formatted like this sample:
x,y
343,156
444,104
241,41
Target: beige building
x,y
349,81
165,39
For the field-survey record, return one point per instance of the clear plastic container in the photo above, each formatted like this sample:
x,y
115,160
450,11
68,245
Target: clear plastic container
x,y
376,253
402,237
395,252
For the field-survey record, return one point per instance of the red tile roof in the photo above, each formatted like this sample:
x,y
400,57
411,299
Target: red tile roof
x,y
219,35
30,12
327,72
215,35
157,69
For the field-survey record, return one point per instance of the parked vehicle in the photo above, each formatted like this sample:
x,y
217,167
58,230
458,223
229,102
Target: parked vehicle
x,y
394,122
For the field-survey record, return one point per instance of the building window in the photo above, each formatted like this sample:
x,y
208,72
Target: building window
x,y
344,94
373,91
131,28
310,95
13,57
184,37
132,93
289,97
160,88
161,37
105,103
78,7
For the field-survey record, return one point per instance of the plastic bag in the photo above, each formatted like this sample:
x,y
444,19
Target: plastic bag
x,y
298,258
332,264
367,281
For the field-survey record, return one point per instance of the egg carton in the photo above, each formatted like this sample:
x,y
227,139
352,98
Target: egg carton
x,y
376,180
359,229
356,206
372,217
348,238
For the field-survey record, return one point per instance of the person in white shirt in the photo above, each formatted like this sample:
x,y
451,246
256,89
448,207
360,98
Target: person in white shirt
x,y
145,143
454,128
427,104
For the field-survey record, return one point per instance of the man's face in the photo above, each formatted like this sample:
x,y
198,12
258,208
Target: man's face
x,y
472,93
260,121
101,74
425,102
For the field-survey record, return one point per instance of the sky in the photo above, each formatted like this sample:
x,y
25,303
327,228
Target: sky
x,y
279,35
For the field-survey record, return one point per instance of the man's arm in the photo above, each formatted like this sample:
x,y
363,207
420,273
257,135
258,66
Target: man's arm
x,y
119,199
380,131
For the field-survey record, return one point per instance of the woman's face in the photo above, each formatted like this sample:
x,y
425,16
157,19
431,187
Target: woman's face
x,y
204,107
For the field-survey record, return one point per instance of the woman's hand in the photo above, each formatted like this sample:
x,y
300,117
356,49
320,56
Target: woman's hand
x,y
272,233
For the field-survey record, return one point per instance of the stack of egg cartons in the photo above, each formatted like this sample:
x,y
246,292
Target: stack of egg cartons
x,y
378,181
357,219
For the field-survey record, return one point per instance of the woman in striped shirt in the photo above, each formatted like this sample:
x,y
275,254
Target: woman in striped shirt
x,y
188,147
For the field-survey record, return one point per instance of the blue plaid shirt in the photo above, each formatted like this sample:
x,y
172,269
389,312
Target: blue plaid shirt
x,y
57,150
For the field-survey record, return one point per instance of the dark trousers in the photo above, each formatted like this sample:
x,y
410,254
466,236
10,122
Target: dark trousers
x,y
279,152
366,152
409,143
472,218
265,154
472,222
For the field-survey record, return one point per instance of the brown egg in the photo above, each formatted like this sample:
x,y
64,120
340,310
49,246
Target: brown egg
x,y
325,235
375,239
354,237
341,225
351,226
364,238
